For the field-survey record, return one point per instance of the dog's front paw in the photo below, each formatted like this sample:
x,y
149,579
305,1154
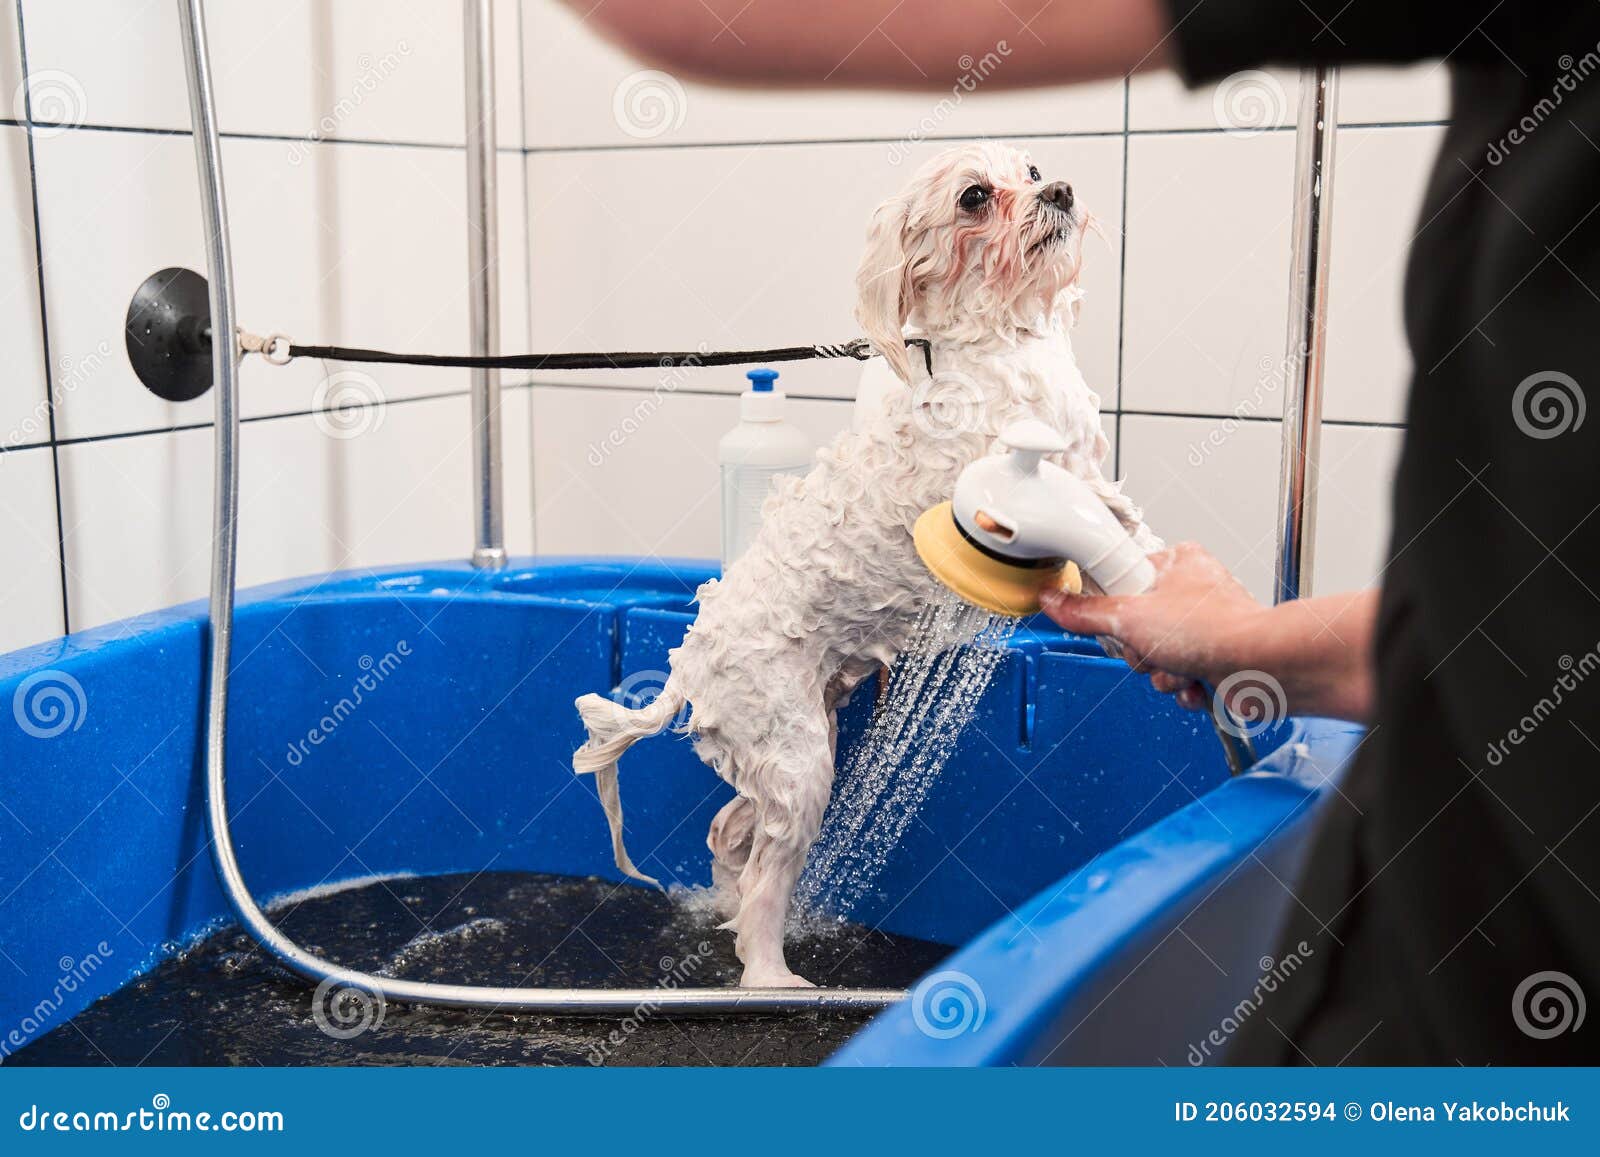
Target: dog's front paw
x,y
773,979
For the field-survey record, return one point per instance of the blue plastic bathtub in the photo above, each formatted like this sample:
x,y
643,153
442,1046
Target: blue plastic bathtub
x,y
419,721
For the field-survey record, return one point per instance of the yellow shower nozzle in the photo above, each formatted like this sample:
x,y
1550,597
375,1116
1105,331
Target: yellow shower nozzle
x,y
979,577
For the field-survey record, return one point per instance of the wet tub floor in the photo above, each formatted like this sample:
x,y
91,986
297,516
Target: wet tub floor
x,y
225,1003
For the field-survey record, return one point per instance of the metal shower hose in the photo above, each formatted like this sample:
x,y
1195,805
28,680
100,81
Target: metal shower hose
x,y
225,540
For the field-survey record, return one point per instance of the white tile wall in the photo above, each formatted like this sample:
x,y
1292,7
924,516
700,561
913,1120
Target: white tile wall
x,y
1368,365
1207,273
388,70
30,580
24,415
605,494
356,236
736,220
1201,479
755,246
395,488
339,208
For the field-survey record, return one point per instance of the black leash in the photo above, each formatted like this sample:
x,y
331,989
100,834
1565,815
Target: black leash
x,y
279,350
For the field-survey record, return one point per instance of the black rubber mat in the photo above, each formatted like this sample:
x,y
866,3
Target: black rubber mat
x,y
225,1003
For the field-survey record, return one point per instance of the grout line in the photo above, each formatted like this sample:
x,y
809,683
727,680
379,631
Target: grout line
x,y
287,138
678,146
181,427
527,268
1117,414
1122,275
1378,424
44,332
1018,135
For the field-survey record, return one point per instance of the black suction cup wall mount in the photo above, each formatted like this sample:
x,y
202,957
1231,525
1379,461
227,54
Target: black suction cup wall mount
x,y
168,334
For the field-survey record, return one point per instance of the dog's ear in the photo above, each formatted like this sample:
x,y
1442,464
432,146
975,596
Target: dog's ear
x,y
881,298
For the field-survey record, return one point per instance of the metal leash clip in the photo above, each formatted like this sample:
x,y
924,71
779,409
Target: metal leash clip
x,y
274,347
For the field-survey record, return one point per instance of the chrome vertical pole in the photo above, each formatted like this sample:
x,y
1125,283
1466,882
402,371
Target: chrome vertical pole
x,y
1308,323
483,280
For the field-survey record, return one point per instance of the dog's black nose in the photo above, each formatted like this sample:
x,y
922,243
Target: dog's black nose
x,y
1057,193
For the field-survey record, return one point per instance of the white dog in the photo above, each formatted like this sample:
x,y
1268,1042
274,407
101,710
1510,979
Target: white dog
x,y
980,255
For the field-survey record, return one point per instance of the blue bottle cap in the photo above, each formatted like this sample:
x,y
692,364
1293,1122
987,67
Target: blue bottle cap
x,y
761,380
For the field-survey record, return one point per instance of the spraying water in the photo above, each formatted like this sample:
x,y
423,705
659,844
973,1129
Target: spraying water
x,y
934,688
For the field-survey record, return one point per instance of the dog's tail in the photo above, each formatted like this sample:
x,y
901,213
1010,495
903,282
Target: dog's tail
x,y
613,729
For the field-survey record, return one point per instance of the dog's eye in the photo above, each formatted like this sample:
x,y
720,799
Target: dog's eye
x,y
974,197
1033,173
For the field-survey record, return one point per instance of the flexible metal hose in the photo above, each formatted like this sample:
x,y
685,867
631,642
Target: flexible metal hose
x,y
224,556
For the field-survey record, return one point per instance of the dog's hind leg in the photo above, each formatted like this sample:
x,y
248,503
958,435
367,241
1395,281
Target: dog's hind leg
x,y
732,833
796,785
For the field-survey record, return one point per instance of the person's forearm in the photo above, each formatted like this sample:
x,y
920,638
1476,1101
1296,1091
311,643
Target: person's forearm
x,y
1318,649
910,44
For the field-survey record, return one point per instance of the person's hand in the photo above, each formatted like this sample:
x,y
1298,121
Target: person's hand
x,y
1190,626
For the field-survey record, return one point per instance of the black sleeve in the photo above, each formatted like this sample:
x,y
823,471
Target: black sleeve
x,y
1215,38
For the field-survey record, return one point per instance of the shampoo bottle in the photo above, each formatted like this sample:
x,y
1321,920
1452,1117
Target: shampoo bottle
x,y
752,454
